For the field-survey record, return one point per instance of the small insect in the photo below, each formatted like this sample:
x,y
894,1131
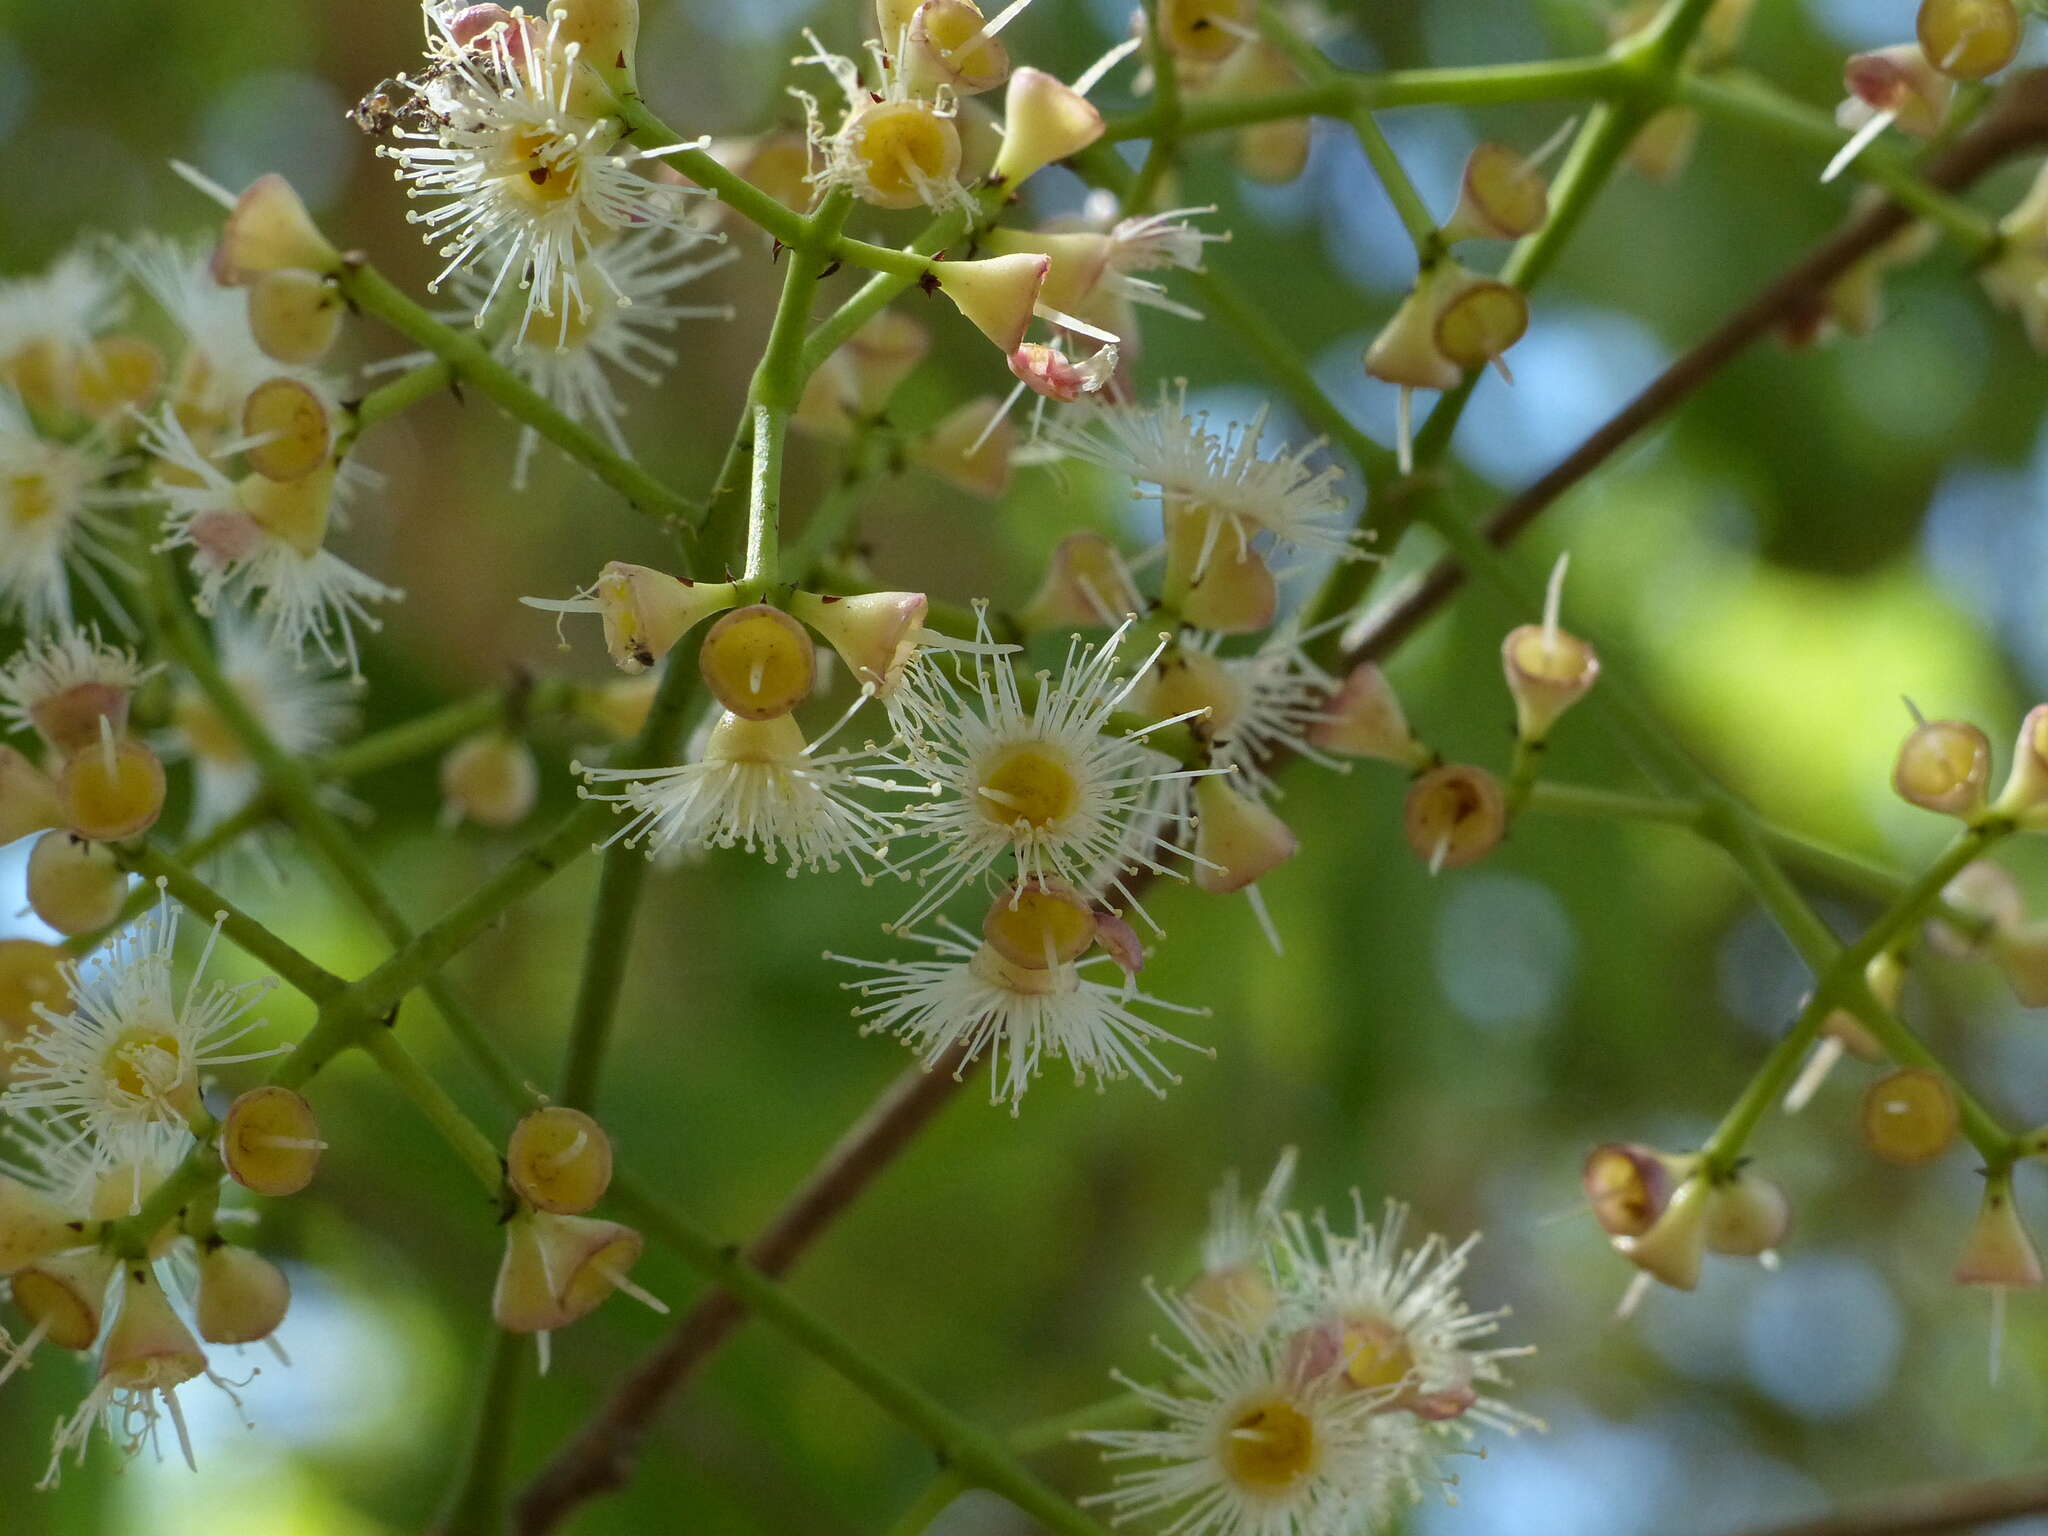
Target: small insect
x,y
384,107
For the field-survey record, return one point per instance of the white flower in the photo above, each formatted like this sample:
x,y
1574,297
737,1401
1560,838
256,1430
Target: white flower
x,y
532,187
1221,478
972,1000
894,147
1051,783
569,357
64,659
1241,1231
1394,1319
56,311
282,569
1256,1442
303,711
55,501
125,1062
757,785
1262,704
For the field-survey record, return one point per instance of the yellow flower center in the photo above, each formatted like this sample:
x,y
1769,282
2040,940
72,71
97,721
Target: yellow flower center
x,y
144,1064
540,169
1376,1354
1030,782
903,146
30,499
1270,1446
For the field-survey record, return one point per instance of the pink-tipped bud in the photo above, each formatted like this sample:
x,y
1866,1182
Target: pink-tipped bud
x,y
294,316
1969,39
1085,584
270,1141
1909,1116
1999,1250
1048,371
65,1295
970,448
1502,196
269,230
1237,840
73,885
149,1345
491,779
1040,924
758,662
474,22
1364,718
1628,1185
32,1226
875,633
946,44
997,293
1044,120
2025,796
243,1297
1675,1246
1898,80
1746,1216
558,1269
290,428
560,1160
645,611
28,800
1456,814
1944,766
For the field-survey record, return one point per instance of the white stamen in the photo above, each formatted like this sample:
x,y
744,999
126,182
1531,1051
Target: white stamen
x,y
1859,141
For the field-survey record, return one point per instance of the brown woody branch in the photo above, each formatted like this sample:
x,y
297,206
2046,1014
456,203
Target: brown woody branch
x,y
1938,1507
2017,122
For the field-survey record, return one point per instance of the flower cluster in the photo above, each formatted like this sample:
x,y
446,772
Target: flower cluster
x,y
1321,1376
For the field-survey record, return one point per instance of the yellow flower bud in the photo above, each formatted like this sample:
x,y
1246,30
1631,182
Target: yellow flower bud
x,y
1675,1245
2025,796
31,973
1212,581
645,611
1043,121
296,511
243,1297
1747,1216
490,779
1085,584
776,162
1663,147
290,423
1275,153
73,885
1909,1116
28,800
1237,840
1455,815
1548,671
65,1295
1999,1251
270,1141
294,316
1206,31
620,704
32,1227
1364,718
111,791
875,633
605,33
1040,924
1944,766
1628,1185
269,230
560,1160
898,149
116,374
758,662
1406,351
1985,891
1969,39
1480,320
997,293
947,44
558,1269
1503,195
1078,260
149,1344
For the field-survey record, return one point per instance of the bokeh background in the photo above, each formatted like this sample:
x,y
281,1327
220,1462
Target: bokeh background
x,y
1812,537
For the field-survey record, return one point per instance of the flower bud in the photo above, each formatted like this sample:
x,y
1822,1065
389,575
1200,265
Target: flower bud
x,y
560,1160
1898,82
294,316
1969,39
1188,681
1944,766
777,162
1363,718
490,779
28,800
970,448
32,1227
645,611
1747,1216
605,33
1273,154
875,633
997,293
880,356
1050,372
243,1297
1676,1243
1211,580
112,791
1078,258
1206,31
295,511
31,973
1548,669
73,885
1628,1185
1480,320
2025,796
1040,924
898,150
1455,815
65,1295
947,44
1663,147
269,230
116,374
758,662
1237,840
1999,1250
149,1345
1985,891
1502,196
291,427
1240,1293
270,1141
1405,351
1043,121
1085,584
1909,1116
619,705
1885,975
1119,940
561,1268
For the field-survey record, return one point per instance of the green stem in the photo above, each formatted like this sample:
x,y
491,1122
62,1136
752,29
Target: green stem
x,y
478,1152
979,1456
1109,1413
937,1498
393,397
1551,798
476,1502
1166,115
471,361
247,934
